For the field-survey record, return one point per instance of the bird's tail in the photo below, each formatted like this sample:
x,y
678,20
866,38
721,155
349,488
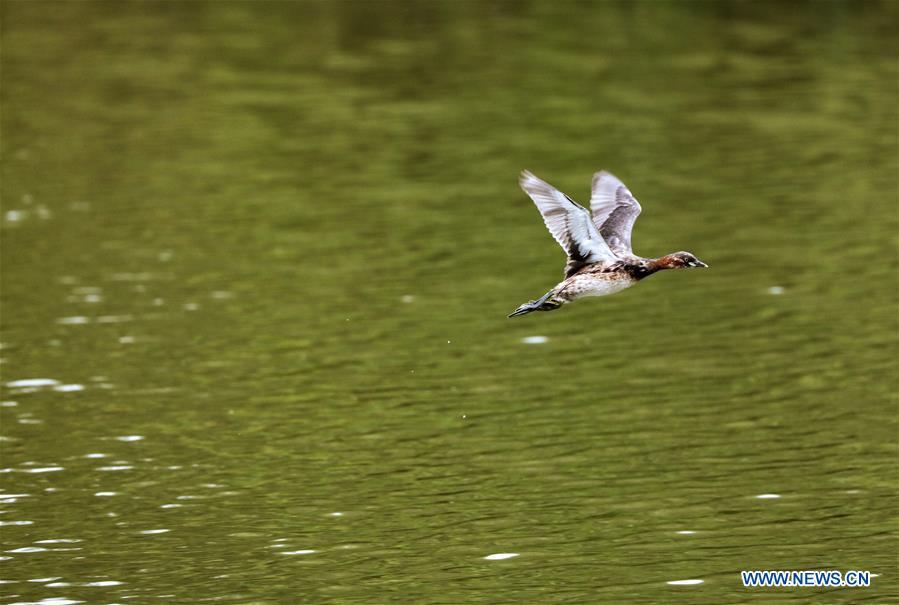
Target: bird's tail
x,y
545,303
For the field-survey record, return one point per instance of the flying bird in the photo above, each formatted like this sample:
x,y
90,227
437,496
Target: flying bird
x,y
597,241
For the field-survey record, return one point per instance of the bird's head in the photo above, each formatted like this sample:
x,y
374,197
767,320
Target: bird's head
x,y
684,260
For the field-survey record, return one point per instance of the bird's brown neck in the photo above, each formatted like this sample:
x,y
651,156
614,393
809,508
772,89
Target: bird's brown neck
x,y
644,267
663,262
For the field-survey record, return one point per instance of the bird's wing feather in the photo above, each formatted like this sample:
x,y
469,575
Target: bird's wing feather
x,y
569,223
615,210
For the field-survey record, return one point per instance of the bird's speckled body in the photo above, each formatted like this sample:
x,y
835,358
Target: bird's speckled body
x,y
595,280
598,243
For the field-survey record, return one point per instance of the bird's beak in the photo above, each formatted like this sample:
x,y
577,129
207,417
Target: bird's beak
x,y
697,263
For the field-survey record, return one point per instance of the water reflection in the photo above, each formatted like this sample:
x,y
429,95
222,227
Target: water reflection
x,y
501,556
298,552
50,601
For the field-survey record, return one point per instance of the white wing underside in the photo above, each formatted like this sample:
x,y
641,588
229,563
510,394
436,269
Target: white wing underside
x,y
569,223
615,210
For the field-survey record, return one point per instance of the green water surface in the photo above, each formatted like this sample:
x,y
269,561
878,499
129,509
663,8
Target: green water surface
x,y
256,265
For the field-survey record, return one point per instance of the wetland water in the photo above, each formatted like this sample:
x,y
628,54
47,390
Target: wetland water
x,y
256,265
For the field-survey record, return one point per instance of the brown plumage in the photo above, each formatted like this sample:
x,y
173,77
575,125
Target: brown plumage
x,y
597,242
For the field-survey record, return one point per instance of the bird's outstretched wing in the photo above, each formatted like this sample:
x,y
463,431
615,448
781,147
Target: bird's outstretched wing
x,y
569,223
615,210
